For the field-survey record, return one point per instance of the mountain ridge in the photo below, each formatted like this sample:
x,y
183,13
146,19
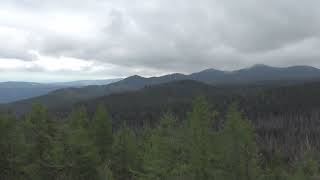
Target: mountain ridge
x,y
11,91
256,75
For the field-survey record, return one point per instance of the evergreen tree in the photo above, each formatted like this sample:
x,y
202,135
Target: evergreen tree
x,y
275,169
125,159
200,142
79,118
240,151
105,173
306,168
11,148
82,156
101,131
40,132
39,147
161,151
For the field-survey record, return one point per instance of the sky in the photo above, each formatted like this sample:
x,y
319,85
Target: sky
x,y
50,40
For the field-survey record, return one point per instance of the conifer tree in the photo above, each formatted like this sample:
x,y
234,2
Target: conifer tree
x,y
38,147
275,169
200,141
161,151
12,148
105,173
82,155
306,168
240,151
125,159
101,131
79,118
40,132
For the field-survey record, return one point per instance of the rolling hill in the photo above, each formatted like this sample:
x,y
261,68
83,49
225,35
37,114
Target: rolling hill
x,y
256,76
283,116
15,91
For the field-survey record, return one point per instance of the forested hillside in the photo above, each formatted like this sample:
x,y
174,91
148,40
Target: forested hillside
x,y
203,145
284,117
166,127
16,91
258,75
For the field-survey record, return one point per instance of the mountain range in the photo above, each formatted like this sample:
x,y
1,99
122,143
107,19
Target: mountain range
x,y
14,91
283,104
256,76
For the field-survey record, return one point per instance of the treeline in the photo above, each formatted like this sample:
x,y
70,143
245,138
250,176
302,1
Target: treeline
x,y
39,147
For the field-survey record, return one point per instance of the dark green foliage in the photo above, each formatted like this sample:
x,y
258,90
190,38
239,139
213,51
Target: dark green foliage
x,y
101,132
199,141
161,151
11,148
79,118
125,160
205,146
275,168
105,173
240,151
40,134
306,168
82,155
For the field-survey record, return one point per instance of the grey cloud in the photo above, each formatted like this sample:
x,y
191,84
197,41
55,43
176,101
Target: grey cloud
x,y
268,25
15,54
185,36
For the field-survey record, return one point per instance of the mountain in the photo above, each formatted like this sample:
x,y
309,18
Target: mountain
x,y
258,75
15,91
283,104
268,73
150,102
210,76
69,96
256,101
283,116
82,83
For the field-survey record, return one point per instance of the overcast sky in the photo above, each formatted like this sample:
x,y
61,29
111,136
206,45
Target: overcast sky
x,y
50,40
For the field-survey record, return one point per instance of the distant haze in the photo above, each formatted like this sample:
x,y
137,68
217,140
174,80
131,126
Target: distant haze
x,y
258,75
49,40
14,91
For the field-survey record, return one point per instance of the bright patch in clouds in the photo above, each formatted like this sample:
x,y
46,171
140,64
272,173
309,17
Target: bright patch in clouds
x,y
47,63
13,35
60,63
8,64
69,24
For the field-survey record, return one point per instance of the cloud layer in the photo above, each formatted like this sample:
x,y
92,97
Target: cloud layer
x,y
85,39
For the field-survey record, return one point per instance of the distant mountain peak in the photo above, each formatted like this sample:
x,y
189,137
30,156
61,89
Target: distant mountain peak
x,y
260,66
208,71
256,67
211,70
135,77
303,67
176,74
288,67
168,75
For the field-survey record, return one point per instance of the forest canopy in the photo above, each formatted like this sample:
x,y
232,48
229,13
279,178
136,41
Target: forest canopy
x,y
202,146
